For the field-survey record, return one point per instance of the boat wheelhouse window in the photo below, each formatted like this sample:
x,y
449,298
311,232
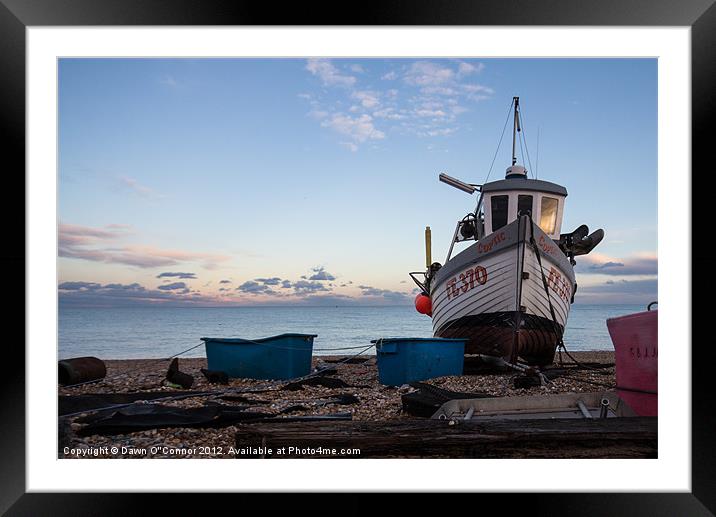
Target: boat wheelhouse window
x,y
548,217
499,212
524,204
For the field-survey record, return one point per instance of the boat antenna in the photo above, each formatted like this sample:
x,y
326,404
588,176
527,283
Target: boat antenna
x,y
515,128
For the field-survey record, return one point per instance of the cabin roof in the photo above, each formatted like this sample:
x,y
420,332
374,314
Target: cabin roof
x,y
524,184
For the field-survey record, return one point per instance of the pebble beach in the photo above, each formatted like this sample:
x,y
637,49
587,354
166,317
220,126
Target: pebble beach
x,y
376,402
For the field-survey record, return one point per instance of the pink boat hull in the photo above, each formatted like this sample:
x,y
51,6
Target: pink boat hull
x,y
635,339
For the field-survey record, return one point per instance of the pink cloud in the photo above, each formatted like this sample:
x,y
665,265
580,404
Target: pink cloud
x,y
644,263
88,243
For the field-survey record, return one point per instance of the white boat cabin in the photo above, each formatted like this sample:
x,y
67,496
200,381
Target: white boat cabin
x,y
503,200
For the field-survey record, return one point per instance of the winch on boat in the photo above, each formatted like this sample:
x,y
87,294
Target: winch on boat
x,y
508,293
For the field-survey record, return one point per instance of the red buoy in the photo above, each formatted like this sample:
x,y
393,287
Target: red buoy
x,y
423,305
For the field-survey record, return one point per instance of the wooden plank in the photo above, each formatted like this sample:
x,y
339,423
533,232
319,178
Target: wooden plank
x,y
547,438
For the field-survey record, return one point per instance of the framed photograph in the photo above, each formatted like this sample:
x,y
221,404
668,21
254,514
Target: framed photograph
x,y
242,243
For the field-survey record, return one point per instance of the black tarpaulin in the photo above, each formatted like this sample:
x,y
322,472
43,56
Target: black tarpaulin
x,y
68,404
140,417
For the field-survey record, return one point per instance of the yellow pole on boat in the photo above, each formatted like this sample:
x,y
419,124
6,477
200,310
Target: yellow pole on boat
x,y
428,257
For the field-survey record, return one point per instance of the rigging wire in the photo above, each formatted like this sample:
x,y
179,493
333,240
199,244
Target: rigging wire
x,y
522,151
524,137
537,158
500,142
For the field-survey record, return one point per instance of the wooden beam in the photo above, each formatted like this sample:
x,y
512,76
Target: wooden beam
x,y
546,438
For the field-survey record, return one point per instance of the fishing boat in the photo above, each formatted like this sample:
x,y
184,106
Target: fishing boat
x,y
510,291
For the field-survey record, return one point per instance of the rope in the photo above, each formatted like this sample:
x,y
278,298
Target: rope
x,y
223,392
180,353
522,151
151,363
536,157
560,342
524,137
614,387
500,142
278,347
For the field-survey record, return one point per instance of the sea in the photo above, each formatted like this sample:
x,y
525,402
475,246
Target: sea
x,y
160,332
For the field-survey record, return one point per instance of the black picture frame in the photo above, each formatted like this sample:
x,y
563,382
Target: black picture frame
x,y
17,15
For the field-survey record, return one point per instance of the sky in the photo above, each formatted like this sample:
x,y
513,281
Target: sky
x,y
220,182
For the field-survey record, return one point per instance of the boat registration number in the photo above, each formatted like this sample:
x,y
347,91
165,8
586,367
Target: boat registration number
x,y
467,280
559,284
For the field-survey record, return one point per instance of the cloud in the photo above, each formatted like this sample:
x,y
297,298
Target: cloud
x,y
225,282
91,244
394,296
428,105
269,281
78,286
477,92
637,264
619,292
176,286
329,299
358,69
321,274
465,68
367,99
168,80
91,294
306,287
74,235
430,113
390,114
426,73
329,74
607,265
143,256
135,186
359,129
191,276
252,287
286,284
124,287
318,114
445,131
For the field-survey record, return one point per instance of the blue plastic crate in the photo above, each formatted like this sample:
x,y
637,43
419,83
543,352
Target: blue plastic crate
x,y
404,360
278,357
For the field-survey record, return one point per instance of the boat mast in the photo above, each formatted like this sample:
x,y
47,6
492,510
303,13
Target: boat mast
x,y
515,128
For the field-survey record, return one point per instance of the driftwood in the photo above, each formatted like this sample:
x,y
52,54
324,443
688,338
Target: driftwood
x,y
634,437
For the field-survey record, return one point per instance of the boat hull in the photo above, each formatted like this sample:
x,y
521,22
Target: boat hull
x,y
493,293
636,347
